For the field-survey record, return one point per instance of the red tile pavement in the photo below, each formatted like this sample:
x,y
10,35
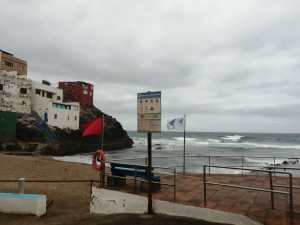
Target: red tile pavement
x,y
254,204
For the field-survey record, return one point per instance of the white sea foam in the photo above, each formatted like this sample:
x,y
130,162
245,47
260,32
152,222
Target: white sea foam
x,y
186,139
80,158
167,151
232,138
246,145
168,143
263,161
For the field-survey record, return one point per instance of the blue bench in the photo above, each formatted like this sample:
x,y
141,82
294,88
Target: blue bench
x,y
123,170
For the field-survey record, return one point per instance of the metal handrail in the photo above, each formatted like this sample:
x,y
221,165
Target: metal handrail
x,y
224,156
271,190
154,167
210,157
248,188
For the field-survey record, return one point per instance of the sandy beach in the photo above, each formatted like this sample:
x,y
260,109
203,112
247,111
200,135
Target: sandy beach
x,y
69,200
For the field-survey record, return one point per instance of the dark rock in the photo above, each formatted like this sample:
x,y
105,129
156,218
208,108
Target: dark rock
x,y
31,137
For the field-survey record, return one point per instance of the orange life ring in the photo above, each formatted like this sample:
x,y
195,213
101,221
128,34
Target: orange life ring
x,y
98,162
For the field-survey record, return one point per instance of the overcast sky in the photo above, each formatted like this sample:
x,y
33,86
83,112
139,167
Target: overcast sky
x,y
228,65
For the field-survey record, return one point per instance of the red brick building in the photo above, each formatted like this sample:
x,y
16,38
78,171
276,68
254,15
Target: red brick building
x,y
78,91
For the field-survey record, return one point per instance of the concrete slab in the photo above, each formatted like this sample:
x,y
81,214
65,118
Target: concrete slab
x,y
105,201
23,203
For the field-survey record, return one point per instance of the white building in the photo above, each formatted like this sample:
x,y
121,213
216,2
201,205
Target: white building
x,y
64,115
15,93
47,102
42,95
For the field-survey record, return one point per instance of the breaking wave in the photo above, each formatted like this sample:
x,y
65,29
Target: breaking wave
x,y
167,143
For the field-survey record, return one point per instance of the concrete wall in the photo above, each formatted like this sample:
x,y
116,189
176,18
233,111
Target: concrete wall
x,y
110,202
105,201
64,115
23,203
12,99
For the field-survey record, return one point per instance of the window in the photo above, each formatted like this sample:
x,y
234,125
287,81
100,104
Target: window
x,y
55,116
43,93
68,118
1,87
9,64
75,118
23,91
157,100
58,97
46,117
38,91
49,95
85,92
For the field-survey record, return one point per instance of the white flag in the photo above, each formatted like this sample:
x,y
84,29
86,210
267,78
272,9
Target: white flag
x,y
176,124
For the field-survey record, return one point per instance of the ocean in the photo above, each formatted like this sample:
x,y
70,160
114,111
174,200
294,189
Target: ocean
x,y
247,150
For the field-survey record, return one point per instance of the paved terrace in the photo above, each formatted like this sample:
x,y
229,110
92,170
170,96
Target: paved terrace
x,y
254,204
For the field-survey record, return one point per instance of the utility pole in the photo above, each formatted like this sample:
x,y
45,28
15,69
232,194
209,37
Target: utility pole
x,y
150,209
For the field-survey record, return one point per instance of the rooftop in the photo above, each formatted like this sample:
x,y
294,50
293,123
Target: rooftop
x,y
78,82
6,52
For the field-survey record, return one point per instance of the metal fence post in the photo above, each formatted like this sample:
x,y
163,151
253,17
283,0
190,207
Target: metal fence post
x,y
243,165
174,185
91,190
204,185
274,167
209,165
134,180
291,194
21,185
271,187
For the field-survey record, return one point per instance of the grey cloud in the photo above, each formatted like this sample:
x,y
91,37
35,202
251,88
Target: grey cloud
x,y
229,62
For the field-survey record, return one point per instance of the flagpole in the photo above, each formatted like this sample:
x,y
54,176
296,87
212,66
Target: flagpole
x,y
102,138
102,174
184,144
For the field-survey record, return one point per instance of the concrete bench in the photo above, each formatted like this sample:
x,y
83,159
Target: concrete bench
x,y
23,203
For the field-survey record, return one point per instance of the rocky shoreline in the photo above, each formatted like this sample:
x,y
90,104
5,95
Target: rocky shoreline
x,y
34,137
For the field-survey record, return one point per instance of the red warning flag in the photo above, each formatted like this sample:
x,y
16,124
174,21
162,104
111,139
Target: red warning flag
x,y
94,127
